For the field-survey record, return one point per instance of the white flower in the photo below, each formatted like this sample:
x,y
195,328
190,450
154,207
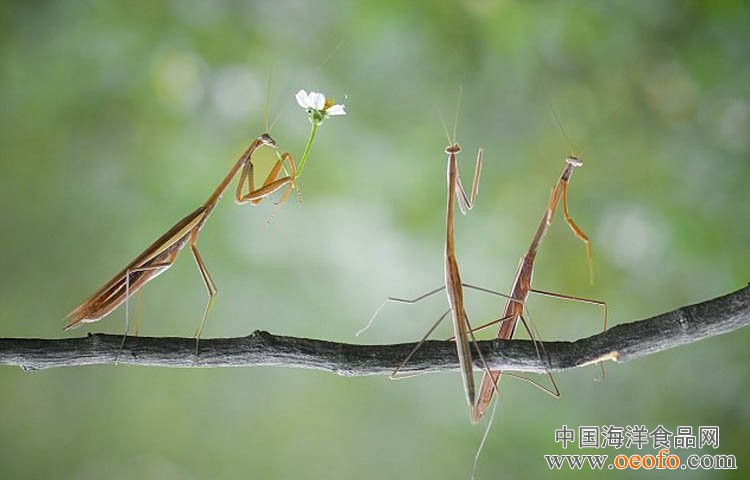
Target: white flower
x,y
335,110
318,106
312,100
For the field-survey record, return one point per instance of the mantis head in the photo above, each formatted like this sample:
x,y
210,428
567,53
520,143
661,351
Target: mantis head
x,y
574,161
453,149
266,139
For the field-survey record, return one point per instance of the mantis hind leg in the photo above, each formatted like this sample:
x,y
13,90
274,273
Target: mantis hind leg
x,y
480,408
210,287
128,272
529,327
395,374
411,301
138,302
408,301
497,321
490,381
605,313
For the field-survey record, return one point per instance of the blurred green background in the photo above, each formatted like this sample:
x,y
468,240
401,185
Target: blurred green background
x,y
118,118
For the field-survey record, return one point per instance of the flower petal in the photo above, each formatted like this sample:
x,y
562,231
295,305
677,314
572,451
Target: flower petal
x,y
303,100
336,110
317,100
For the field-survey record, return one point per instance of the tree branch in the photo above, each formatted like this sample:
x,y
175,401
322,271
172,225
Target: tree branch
x,y
620,343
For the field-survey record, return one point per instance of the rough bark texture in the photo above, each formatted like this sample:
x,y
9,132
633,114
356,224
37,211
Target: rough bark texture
x,y
621,343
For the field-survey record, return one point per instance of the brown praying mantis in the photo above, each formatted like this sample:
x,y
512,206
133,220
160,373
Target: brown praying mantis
x,y
161,254
522,285
453,285
514,309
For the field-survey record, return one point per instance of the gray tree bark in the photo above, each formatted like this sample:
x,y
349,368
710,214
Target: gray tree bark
x,y
620,343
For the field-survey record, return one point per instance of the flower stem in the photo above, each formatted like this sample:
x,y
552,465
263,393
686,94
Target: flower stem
x,y
307,148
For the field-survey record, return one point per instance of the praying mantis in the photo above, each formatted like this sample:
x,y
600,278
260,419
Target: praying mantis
x,y
161,254
453,285
520,291
522,285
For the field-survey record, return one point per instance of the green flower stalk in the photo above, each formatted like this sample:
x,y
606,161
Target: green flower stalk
x,y
318,108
